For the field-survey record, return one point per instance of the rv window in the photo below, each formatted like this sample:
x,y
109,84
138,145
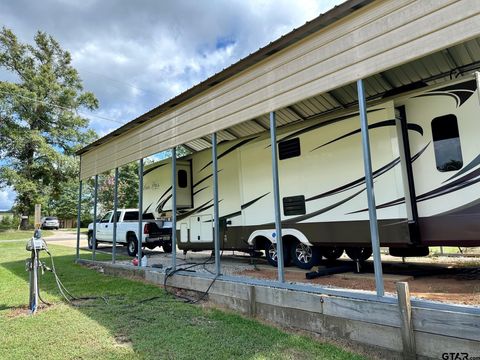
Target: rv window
x,y
289,149
446,141
182,179
294,205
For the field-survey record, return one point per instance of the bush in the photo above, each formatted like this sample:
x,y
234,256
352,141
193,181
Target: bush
x,y
7,222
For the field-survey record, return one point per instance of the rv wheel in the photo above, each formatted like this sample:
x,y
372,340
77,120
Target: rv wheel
x,y
305,256
359,253
132,245
271,254
332,252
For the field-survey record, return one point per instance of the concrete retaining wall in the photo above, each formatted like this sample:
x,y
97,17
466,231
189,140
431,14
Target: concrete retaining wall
x,y
373,323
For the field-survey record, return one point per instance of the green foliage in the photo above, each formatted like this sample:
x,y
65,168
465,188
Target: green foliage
x,y
127,188
8,222
40,128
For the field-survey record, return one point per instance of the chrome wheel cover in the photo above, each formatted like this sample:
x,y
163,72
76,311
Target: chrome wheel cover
x,y
303,253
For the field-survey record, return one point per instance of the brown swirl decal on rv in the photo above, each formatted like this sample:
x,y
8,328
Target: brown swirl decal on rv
x,y
380,124
361,180
459,92
465,181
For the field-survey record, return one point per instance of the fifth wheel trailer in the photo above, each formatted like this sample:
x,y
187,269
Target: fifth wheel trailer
x,y
425,157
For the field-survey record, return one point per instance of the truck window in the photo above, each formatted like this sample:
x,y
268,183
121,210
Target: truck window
x,y
446,142
130,216
106,217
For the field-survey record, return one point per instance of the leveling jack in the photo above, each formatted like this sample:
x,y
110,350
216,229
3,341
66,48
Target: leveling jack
x,y
35,245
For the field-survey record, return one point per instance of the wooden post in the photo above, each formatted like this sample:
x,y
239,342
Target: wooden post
x,y
252,298
408,336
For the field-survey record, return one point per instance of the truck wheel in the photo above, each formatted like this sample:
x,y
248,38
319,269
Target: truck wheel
x,y
332,252
304,256
132,245
167,247
91,241
271,254
359,253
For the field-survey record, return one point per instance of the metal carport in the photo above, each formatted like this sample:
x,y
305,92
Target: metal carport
x,y
384,45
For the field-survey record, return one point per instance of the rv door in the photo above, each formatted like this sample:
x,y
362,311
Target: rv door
x,y
184,185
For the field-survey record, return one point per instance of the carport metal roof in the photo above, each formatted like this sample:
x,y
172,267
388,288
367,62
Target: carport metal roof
x,y
306,73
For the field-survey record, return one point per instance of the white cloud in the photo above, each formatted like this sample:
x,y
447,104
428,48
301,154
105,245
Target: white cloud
x,y
7,197
134,55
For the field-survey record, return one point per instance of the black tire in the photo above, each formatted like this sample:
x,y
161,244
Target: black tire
x,y
359,253
167,247
132,245
271,254
304,256
90,241
332,252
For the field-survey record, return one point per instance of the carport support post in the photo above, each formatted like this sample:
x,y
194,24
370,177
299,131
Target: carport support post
x,y
79,211
276,197
372,212
174,208
140,211
95,198
216,223
115,207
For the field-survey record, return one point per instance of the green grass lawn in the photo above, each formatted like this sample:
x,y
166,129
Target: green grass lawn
x,y
20,234
126,328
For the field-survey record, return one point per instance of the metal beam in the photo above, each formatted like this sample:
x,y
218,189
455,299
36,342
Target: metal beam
x,y
140,211
192,150
259,123
387,80
79,212
94,236
372,212
335,97
216,222
231,133
295,112
276,197
115,207
174,208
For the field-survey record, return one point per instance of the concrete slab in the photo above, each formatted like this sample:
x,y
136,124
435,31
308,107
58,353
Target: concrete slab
x,y
368,276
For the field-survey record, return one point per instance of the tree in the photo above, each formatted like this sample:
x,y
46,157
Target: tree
x,y
127,188
40,128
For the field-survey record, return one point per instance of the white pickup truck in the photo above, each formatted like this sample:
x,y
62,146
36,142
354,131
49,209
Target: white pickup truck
x,y
155,232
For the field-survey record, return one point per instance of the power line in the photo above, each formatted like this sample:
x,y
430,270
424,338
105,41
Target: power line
x,y
61,107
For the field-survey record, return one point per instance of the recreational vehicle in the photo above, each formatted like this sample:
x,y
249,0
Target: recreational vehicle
x,y
425,158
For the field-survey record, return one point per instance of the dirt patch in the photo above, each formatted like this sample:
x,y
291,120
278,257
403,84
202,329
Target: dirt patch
x,y
461,288
123,340
22,311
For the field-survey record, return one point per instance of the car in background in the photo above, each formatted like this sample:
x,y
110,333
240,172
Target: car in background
x,y
50,222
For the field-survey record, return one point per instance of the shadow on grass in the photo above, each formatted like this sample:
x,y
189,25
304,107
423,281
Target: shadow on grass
x,y
164,328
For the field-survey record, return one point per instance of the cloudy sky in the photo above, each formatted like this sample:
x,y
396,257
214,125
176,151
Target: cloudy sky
x,y
135,55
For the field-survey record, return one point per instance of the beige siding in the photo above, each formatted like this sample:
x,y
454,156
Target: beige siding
x,y
373,39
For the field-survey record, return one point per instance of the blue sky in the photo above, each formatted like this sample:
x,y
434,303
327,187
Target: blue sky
x,y
135,55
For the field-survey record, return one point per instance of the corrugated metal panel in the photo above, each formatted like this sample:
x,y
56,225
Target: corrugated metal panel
x,y
369,41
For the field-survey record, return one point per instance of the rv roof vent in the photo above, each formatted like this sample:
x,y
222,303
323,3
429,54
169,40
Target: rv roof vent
x,y
289,148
